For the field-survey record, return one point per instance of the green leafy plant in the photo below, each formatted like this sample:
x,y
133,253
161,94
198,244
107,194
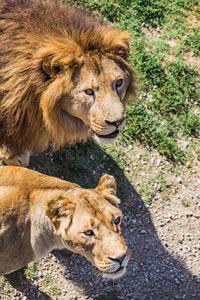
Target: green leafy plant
x,y
185,202
30,270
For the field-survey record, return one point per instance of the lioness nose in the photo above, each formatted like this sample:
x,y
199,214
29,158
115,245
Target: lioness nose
x,y
116,123
119,259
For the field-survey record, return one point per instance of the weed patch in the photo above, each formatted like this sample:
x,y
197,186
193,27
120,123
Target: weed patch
x,y
185,202
5,287
50,287
30,270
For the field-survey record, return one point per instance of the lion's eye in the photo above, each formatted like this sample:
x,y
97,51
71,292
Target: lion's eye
x,y
89,92
89,233
119,82
117,221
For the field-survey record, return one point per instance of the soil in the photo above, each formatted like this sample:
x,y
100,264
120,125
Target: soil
x,y
164,243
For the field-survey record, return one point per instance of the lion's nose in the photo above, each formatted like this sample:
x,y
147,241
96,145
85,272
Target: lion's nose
x,y
116,123
118,259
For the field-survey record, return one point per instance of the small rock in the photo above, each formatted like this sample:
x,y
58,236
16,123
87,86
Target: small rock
x,y
159,161
143,231
189,213
129,148
179,180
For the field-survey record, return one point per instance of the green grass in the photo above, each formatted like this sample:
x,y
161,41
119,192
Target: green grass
x,y
50,286
166,112
169,89
165,115
185,202
5,287
30,270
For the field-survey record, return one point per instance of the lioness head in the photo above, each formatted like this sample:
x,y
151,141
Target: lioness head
x,y
90,223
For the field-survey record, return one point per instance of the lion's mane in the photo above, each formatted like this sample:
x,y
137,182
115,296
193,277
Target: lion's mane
x,y
38,32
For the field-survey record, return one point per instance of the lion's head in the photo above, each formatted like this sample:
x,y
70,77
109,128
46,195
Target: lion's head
x,y
89,85
90,223
64,76
98,98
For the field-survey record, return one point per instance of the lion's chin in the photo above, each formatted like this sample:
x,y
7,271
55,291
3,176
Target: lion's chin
x,y
108,138
114,275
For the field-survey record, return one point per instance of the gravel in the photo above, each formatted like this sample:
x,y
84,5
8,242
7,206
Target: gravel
x,y
164,242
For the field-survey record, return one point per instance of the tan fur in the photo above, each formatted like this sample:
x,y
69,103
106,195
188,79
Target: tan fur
x,y
40,213
50,54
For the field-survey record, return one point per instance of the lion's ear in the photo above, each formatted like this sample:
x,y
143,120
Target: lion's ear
x,y
51,67
60,210
108,188
123,52
122,48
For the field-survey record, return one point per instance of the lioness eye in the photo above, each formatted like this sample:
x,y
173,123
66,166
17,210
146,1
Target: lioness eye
x,y
89,232
117,221
89,92
119,82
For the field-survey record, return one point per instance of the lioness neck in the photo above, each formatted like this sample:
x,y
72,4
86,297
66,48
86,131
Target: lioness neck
x,y
43,238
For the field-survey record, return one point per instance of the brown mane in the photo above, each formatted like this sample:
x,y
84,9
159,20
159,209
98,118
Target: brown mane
x,y
38,35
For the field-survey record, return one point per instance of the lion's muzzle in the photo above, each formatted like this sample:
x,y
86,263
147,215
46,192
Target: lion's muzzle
x,y
108,135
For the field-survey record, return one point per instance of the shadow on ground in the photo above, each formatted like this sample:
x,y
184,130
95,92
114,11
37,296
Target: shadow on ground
x,y
152,272
18,281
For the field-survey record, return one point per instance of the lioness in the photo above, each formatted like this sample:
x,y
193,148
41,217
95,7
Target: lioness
x,y
39,213
63,78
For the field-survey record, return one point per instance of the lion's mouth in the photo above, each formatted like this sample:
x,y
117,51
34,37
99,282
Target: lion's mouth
x,y
112,135
114,275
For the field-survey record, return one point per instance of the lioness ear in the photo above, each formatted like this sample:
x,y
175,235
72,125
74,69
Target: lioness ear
x,y
108,188
59,210
51,67
107,183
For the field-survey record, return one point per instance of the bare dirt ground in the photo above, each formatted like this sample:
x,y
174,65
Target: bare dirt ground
x,y
164,242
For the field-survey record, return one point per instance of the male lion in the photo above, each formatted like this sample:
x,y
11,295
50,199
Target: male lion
x,y
63,77
40,213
